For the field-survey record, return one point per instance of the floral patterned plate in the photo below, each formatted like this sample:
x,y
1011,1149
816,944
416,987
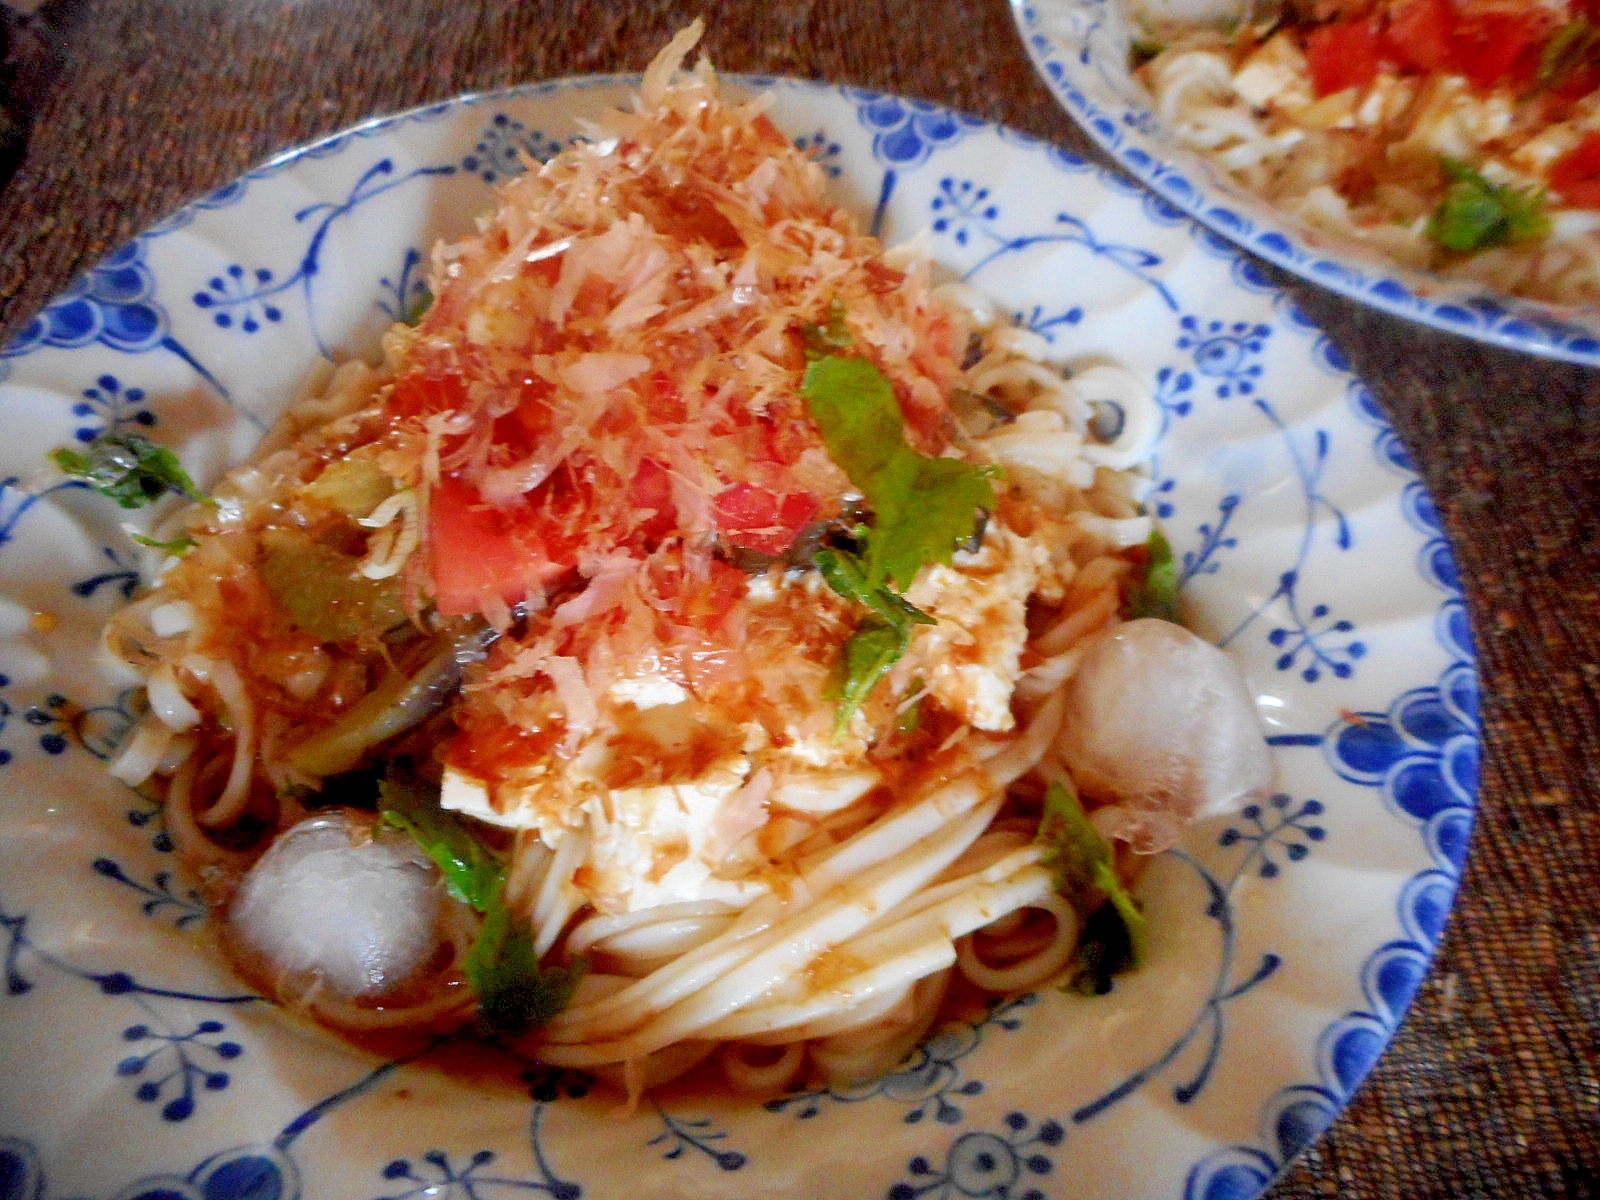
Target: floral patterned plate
x,y
1080,49
1287,940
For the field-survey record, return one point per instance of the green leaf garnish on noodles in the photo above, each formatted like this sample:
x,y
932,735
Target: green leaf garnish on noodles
x,y
1476,214
514,990
922,510
1143,50
879,641
869,655
131,469
419,306
472,872
178,545
1114,934
832,334
1158,593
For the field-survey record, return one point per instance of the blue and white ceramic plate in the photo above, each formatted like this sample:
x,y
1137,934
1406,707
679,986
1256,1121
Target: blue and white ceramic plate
x,y
1080,48
1287,940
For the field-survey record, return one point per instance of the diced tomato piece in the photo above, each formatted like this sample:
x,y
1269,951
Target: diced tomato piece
x,y
783,438
756,519
663,400
1582,162
1576,174
419,394
706,603
479,551
652,491
1500,48
1419,36
1585,194
1344,54
535,411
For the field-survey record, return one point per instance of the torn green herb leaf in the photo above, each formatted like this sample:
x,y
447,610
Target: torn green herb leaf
x,y
129,468
1143,50
1476,214
513,988
472,872
177,545
1102,954
878,642
419,305
922,508
869,655
1158,593
1114,934
833,334
910,719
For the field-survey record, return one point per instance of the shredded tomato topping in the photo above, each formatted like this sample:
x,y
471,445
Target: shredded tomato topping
x,y
602,411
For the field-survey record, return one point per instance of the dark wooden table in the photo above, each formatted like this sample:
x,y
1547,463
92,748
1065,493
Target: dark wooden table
x,y
112,112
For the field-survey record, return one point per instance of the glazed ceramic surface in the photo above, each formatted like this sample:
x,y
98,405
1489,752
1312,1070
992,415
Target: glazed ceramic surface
x,y
1081,50
1287,940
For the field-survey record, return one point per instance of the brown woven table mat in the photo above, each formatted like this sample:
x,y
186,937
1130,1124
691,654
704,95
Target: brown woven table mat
x,y
1492,1087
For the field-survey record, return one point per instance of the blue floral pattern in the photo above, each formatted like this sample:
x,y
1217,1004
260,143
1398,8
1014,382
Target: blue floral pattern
x,y
1421,755
699,1134
992,1166
190,1054
247,300
111,408
436,1177
502,147
112,304
1079,257
1226,352
97,728
823,150
929,1082
905,133
161,896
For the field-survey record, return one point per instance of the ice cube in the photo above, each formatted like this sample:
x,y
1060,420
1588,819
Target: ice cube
x,y
1160,726
342,904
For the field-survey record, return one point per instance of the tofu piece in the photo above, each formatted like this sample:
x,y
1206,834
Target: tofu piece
x,y
970,659
647,845
648,691
1451,120
1275,76
469,796
650,845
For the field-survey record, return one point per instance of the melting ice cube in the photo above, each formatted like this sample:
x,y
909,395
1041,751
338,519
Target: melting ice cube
x,y
340,903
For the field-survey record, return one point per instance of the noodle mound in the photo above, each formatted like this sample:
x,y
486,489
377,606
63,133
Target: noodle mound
x,y
569,562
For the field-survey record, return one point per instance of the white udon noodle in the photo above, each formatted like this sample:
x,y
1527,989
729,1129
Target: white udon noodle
x,y
893,908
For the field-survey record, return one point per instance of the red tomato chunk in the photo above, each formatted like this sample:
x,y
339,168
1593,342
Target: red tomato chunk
x,y
1576,175
1342,55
